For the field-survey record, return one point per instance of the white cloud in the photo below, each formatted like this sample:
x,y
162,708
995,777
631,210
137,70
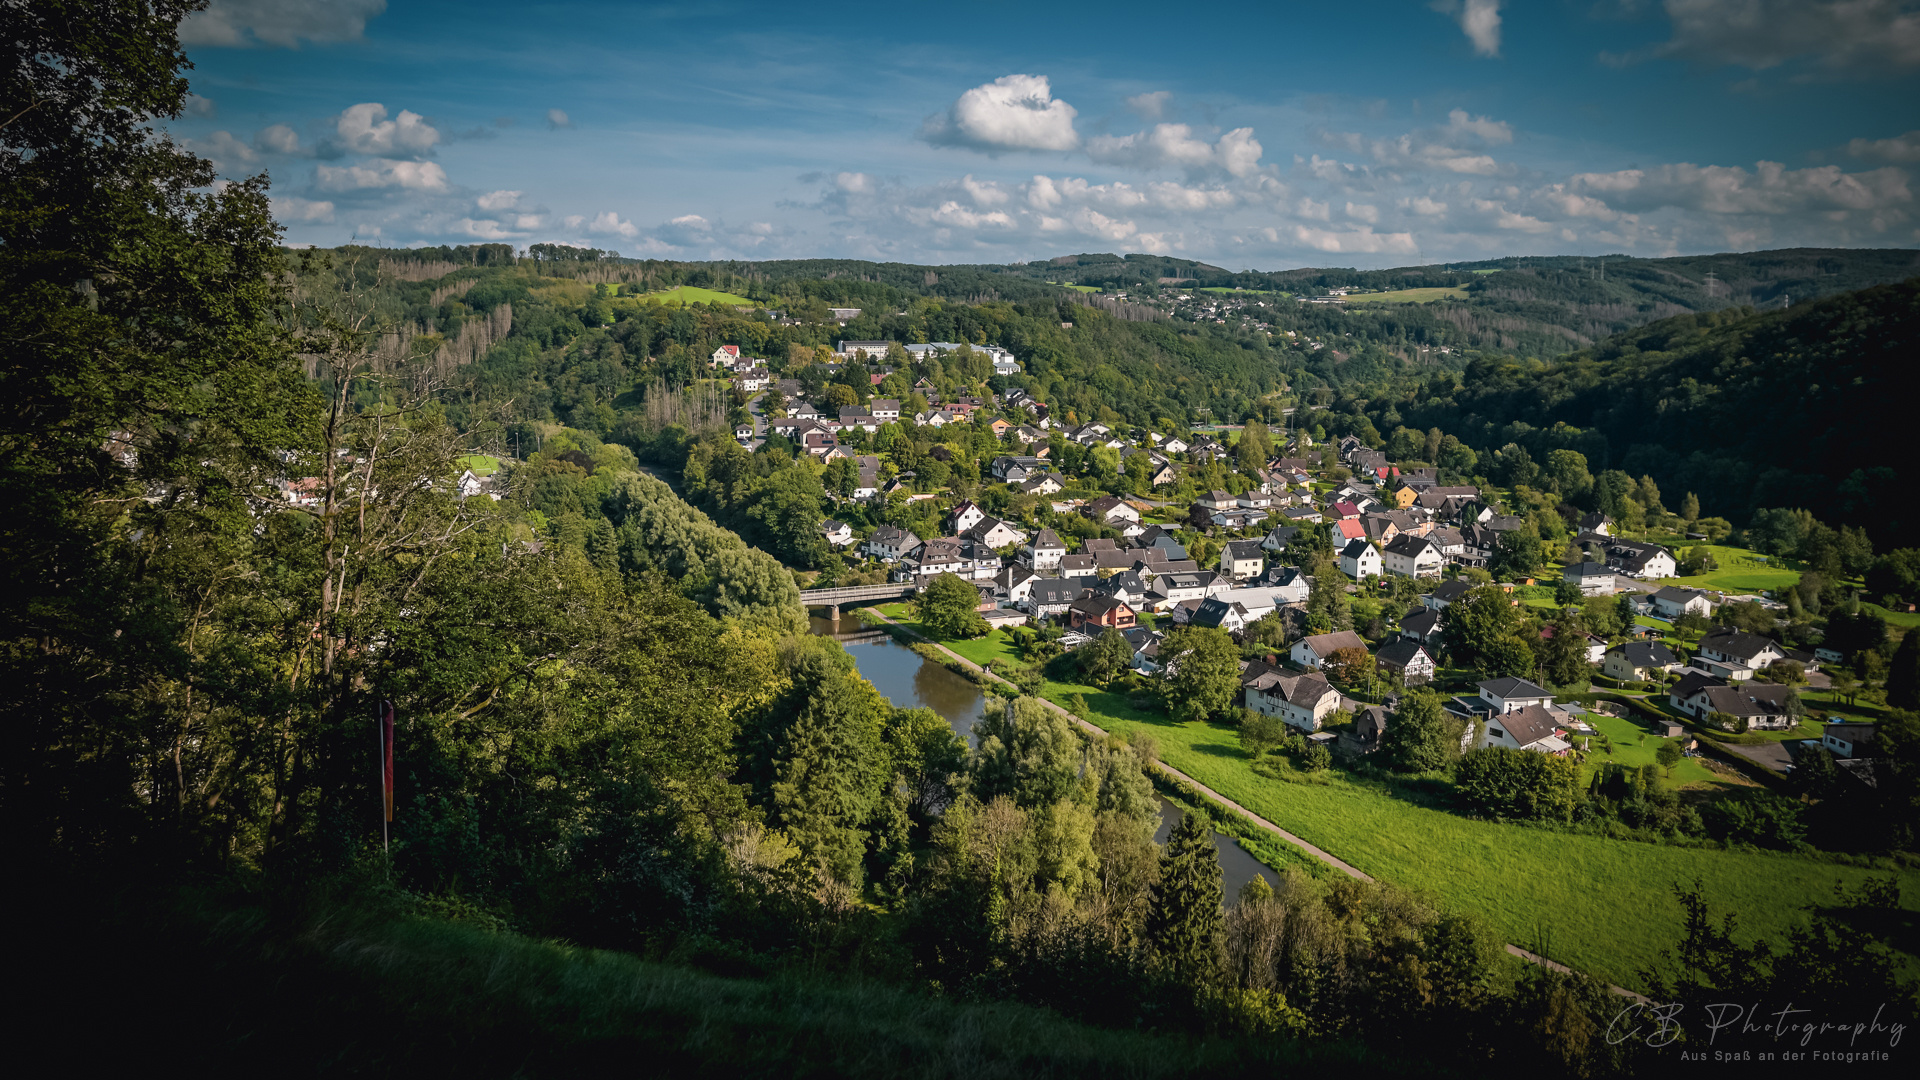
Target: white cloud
x,y
1899,148
691,221
200,106
377,173
222,149
1426,207
279,138
1317,211
1457,147
485,229
1479,20
290,209
1363,212
1181,199
1500,217
1760,34
1497,132
365,129
558,118
854,183
952,213
243,24
1362,240
1013,112
1150,106
499,200
983,192
608,223
1174,145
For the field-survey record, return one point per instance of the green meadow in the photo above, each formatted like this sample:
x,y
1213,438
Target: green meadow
x,y
1408,296
682,295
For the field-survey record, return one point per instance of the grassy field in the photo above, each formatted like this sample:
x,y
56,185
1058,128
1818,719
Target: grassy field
x,y
1222,290
1634,746
1407,296
681,295
1740,570
481,464
1076,288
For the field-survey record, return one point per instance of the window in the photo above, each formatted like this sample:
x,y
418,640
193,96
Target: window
x,y
1495,732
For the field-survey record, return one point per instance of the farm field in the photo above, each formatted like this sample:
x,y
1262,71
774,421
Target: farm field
x,y
1076,288
682,295
1408,296
1222,290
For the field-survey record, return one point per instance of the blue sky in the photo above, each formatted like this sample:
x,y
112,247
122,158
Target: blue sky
x,y
1270,136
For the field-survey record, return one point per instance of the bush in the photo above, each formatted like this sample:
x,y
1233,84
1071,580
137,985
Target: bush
x,y
1316,758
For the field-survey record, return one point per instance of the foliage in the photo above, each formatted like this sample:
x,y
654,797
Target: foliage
x,y
1518,783
949,607
1260,733
1200,672
1183,925
1420,736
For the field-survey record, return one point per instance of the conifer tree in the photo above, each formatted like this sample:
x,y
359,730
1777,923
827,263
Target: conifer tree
x,y
1184,925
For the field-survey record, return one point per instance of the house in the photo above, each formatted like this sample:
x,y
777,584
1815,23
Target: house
x,y
1413,556
1112,509
1254,500
1341,531
1170,589
1242,559
993,534
1047,597
1302,515
1594,579
1422,624
1407,659
1446,594
1216,500
1277,540
753,380
1597,523
1850,740
1762,705
848,350
836,533
1044,551
1370,726
1012,470
1360,559
889,543
1146,648
1159,539
854,416
1288,584
1042,484
1529,728
1636,661
1308,652
935,557
1220,614
1079,565
1637,560
1300,701
743,432
1671,602
1739,652
1014,584
1100,612
726,356
884,409
965,516
1163,474
1127,585
1508,694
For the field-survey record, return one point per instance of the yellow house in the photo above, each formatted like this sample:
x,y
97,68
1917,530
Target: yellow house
x,y
1405,497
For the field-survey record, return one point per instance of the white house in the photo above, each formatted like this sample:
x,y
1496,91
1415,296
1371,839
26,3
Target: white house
x,y
1638,660
1308,652
1741,653
1044,551
1849,740
993,533
1672,602
1360,559
1413,556
1408,659
726,356
1529,728
1509,694
1594,579
884,409
837,533
1221,614
965,516
1052,596
1300,701
889,543
1242,559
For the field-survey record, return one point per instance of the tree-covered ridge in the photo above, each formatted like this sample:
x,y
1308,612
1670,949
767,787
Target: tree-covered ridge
x,y
1792,408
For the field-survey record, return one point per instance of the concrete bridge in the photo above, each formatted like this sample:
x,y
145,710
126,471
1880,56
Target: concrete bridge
x,y
857,595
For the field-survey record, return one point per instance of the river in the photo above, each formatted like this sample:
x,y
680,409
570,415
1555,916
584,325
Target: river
x,y
910,681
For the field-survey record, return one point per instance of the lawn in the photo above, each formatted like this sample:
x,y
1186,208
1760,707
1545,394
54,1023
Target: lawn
x,y
1076,288
481,464
681,295
1740,570
1407,296
1574,891
1634,746
1222,290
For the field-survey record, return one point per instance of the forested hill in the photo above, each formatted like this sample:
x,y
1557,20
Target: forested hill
x,y
1804,407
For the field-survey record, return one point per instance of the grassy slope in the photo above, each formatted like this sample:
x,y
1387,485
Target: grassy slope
x,y
689,294
481,464
1407,296
351,991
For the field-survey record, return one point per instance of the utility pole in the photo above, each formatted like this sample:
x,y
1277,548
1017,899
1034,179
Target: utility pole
x,y
1710,284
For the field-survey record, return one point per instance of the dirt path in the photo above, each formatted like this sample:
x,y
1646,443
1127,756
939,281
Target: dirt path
x,y
1324,856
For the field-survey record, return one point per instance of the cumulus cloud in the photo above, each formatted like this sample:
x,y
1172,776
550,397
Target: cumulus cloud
x,y
1759,34
1174,145
983,192
1459,147
1151,106
279,139
1364,212
1426,207
1899,148
245,24
200,106
1478,19
222,149
377,173
498,200
291,209
365,129
608,223
1013,112
558,118
1361,241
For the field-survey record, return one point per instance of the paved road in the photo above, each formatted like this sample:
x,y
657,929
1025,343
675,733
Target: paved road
x,y
1324,856
759,421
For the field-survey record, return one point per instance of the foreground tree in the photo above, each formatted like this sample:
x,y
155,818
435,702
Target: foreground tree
x,y
1184,924
1201,673
950,608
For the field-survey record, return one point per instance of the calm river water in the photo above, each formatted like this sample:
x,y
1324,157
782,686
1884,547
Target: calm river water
x,y
911,682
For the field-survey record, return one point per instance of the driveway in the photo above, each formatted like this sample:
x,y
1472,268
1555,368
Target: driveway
x,y
1773,755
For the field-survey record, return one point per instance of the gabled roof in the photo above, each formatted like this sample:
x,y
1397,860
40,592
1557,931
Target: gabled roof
x,y
1738,643
1098,605
1245,549
1304,690
1509,688
1526,726
1674,594
1213,612
1047,538
1401,653
1409,546
1355,549
1328,644
1056,590
1641,654
1587,569
1693,682
1452,590
1422,621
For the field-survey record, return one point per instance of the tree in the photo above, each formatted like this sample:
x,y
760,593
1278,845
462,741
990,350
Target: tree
x,y
1690,508
1895,575
1104,658
1903,673
1567,470
1027,752
1201,672
1316,757
1668,755
1184,923
1260,733
1350,666
1421,737
1478,621
832,775
949,607
1563,656
1518,783
1516,554
1566,591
